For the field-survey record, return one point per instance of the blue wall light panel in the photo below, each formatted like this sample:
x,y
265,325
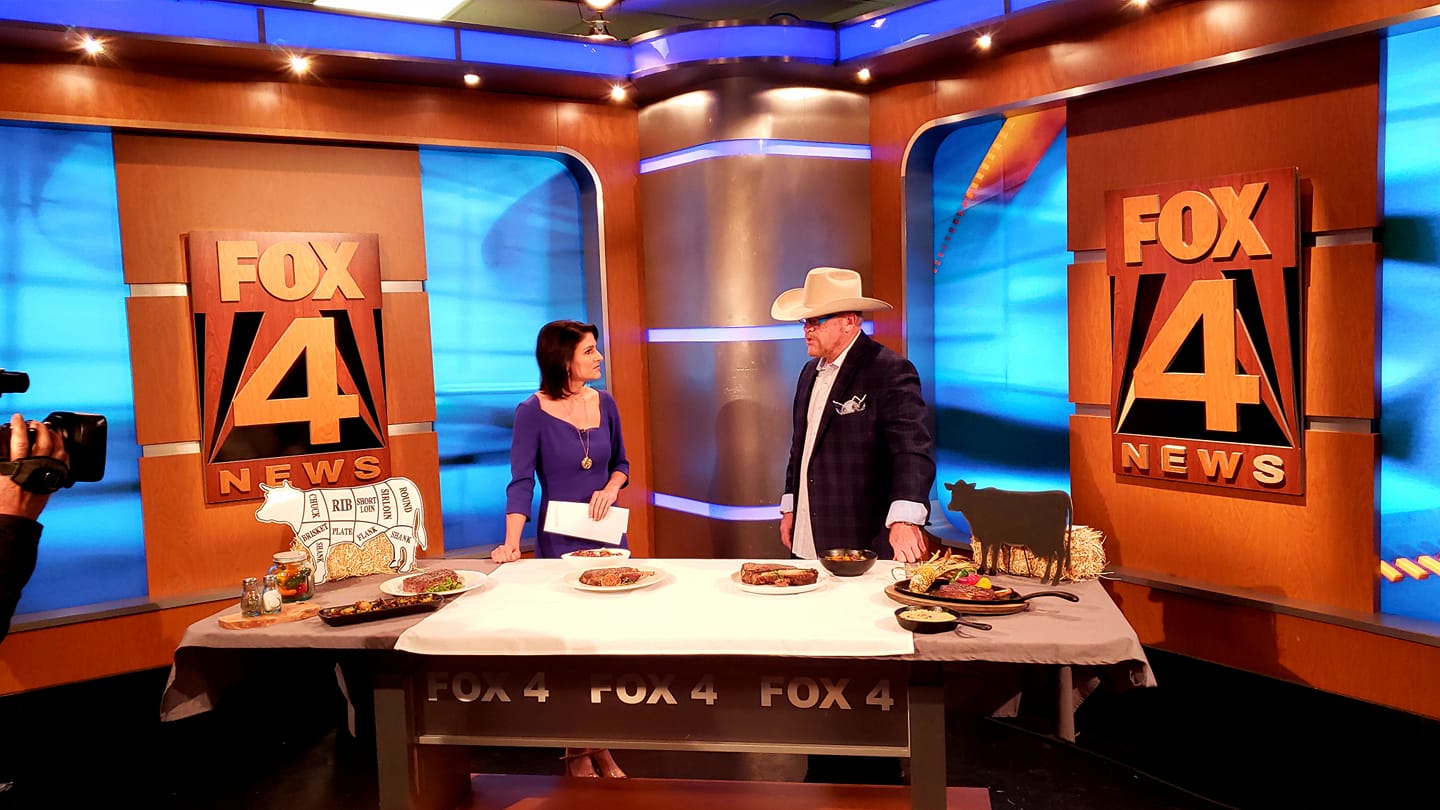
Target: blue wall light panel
x,y
312,30
914,24
191,19
794,42
60,266
579,56
503,237
1409,365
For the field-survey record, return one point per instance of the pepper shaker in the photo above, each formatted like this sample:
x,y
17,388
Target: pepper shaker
x,y
251,601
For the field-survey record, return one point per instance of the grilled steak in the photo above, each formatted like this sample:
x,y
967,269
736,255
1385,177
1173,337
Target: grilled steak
x,y
971,592
611,577
781,576
437,581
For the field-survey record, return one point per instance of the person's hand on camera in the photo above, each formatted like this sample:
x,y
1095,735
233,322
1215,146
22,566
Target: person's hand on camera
x,y
14,499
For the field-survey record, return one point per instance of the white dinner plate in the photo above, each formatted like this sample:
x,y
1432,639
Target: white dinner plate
x,y
472,580
612,556
573,580
777,589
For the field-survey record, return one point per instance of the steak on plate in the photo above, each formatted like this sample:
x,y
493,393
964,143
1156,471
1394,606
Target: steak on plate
x,y
974,593
612,577
780,576
437,581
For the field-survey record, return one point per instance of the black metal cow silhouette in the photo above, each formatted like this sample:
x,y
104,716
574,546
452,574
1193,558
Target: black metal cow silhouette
x,y
1039,521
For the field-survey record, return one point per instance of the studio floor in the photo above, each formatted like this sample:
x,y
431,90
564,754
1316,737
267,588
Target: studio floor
x,y
1205,737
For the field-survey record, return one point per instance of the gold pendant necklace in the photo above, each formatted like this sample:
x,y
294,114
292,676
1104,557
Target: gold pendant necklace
x,y
585,463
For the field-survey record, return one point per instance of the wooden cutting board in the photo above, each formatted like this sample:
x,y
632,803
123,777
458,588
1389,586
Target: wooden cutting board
x,y
289,612
971,608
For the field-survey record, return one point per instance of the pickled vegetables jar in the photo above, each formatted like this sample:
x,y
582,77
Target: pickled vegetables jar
x,y
294,574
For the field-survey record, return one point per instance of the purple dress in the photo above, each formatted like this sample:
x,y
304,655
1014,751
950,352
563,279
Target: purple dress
x,y
549,448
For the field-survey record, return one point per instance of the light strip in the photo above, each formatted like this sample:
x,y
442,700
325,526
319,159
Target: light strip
x,y
717,511
735,334
190,19
754,146
568,55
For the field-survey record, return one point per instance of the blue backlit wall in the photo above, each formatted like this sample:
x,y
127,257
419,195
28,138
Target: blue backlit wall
x,y
1410,366
503,244
1001,349
62,320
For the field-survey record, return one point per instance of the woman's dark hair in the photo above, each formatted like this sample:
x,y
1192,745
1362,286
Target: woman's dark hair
x,y
554,349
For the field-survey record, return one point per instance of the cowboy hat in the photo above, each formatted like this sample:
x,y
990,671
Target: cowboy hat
x,y
827,290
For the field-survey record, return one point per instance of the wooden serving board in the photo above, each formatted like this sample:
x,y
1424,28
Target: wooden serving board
x,y
289,612
972,608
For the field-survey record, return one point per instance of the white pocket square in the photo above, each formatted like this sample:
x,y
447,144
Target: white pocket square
x,y
855,404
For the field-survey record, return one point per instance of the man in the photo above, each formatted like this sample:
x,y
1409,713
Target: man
x,y
861,458
19,508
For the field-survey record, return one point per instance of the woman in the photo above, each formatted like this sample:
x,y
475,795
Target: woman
x,y
567,435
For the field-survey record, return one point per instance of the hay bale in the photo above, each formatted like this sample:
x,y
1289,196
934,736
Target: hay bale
x,y
1087,556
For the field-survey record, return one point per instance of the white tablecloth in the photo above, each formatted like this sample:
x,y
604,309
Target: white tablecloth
x,y
528,609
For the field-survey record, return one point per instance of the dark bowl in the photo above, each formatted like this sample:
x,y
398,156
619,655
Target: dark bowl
x,y
847,568
925,625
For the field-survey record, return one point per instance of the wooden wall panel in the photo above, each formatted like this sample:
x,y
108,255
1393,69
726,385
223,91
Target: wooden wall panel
x,y
1319,547
168,186
1257,115
1331,657
192,546
413,455
409,370
71,653
162,368
1342,317
893,118
1088,315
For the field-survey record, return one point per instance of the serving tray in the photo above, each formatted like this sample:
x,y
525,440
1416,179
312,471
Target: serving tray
x,y
975,608
382,609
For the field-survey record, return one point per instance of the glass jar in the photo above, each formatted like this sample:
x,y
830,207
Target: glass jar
x,y
296,577
251,604
270,600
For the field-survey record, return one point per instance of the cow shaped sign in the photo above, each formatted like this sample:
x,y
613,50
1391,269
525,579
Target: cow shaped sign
x,y
351,531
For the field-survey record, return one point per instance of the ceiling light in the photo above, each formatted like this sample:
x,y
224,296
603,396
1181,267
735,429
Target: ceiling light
x,y
600,5
984,41
91,45
1140,3
600,29
472,79
617,91
414,9
862,75
300,64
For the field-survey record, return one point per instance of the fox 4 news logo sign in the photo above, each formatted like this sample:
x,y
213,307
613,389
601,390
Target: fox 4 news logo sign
x,y
289,347
1208,330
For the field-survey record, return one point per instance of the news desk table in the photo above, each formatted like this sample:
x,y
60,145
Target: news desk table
x,y
691,662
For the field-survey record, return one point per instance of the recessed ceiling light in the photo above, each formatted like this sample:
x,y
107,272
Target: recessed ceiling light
x,y
862,75
618,92
300,64
984,41
415,9
472,79
91,45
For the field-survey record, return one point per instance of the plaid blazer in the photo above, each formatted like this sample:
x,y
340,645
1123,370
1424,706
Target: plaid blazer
x,y
876,451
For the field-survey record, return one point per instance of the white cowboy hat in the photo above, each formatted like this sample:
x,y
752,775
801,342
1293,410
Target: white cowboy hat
x,y
827,290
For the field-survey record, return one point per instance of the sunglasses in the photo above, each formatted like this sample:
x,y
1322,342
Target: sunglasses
x,y
814,323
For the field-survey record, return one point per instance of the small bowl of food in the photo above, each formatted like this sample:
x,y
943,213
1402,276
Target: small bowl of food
x,y
596,557
926,619
847,562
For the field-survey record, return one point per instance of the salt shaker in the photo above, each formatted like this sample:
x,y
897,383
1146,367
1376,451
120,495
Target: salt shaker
x,y
251,599
270,599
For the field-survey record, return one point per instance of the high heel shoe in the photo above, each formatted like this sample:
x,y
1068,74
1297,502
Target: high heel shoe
x,y
578,763
605,764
